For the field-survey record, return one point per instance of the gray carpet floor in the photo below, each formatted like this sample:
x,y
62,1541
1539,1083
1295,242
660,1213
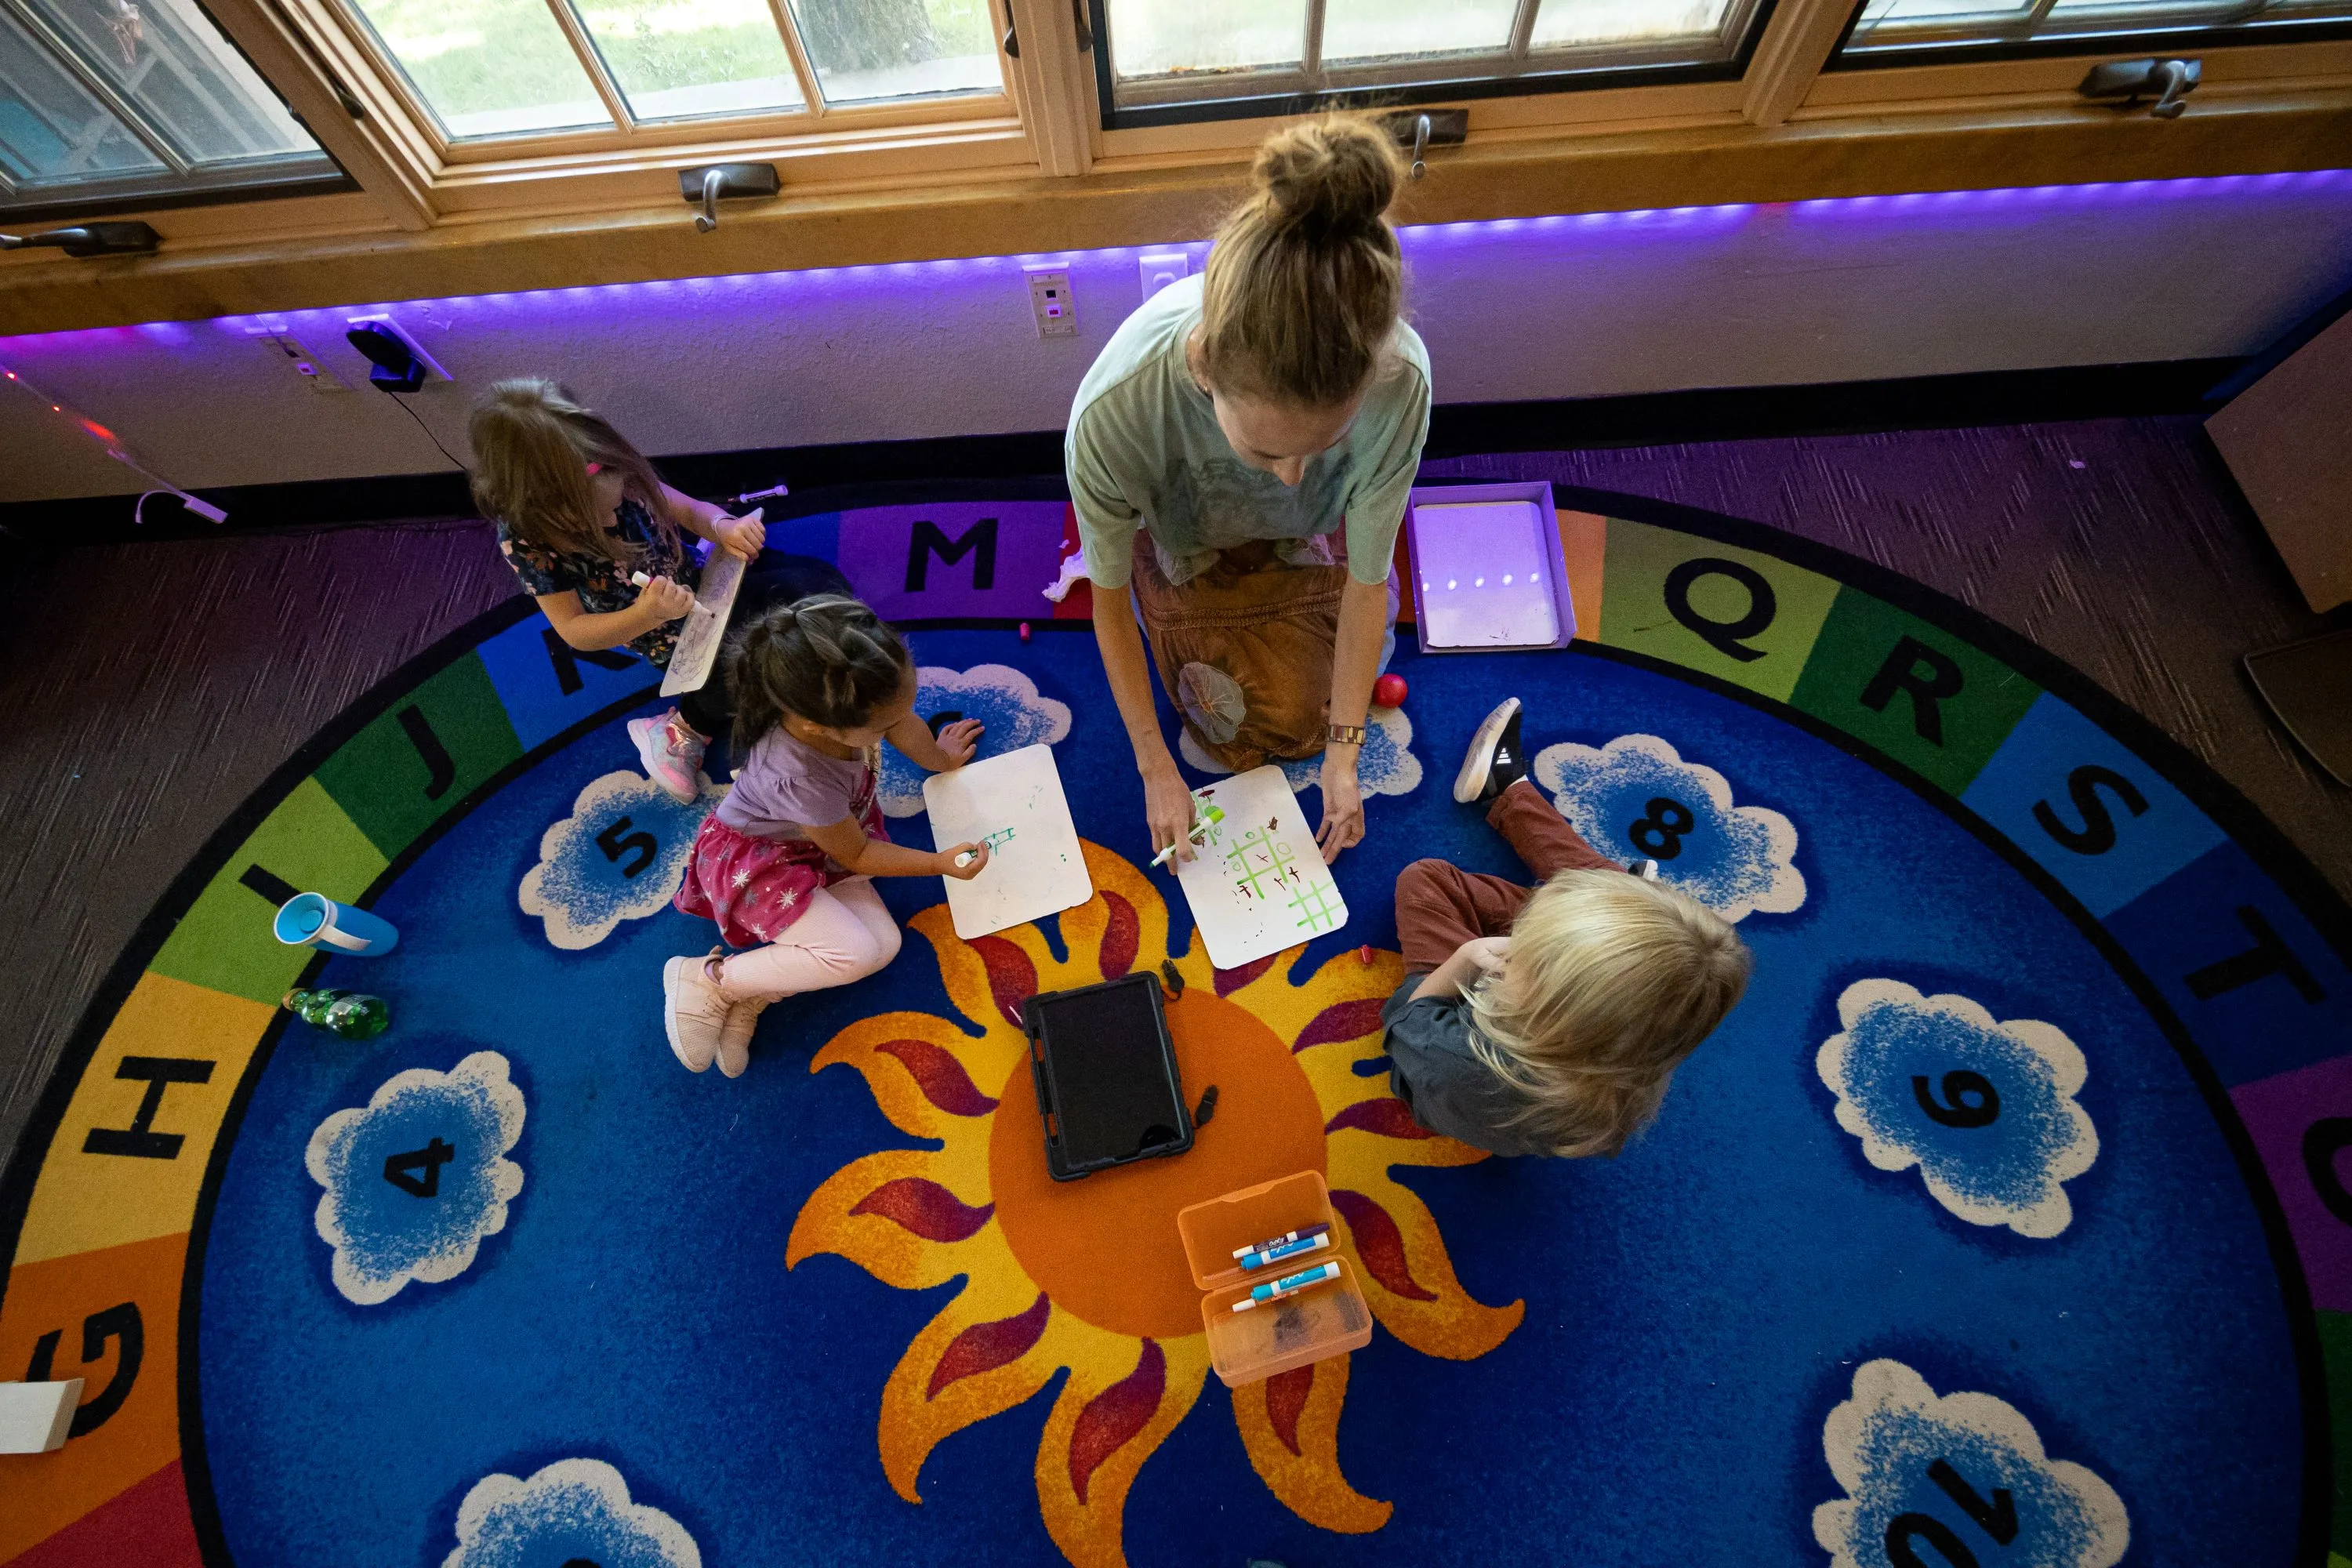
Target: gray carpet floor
x,y
146,689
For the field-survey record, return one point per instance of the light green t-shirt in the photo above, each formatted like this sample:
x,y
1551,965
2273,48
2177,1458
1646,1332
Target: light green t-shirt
x,y
1144,450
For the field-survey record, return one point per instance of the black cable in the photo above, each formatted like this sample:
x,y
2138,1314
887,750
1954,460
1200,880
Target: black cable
x,y
427,429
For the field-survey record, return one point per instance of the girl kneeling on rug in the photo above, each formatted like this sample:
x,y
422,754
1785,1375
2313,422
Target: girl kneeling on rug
x,y
580,511
1548,1020
785,864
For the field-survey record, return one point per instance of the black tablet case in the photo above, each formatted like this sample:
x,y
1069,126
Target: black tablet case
x,y
1105,1069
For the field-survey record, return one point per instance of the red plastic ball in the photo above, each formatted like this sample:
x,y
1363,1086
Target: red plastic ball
x,y
1389,691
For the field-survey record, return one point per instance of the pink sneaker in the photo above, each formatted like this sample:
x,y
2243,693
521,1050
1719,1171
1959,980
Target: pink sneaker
x,y
693,1012
672,755
735,1036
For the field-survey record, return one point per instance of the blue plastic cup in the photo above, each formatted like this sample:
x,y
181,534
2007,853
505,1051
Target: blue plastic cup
x,y
314,919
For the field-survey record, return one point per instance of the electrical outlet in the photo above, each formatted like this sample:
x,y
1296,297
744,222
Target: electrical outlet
x,y
1158,268
290,351
1051,302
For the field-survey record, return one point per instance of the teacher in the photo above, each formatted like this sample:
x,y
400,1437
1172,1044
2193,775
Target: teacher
x,y
1230,429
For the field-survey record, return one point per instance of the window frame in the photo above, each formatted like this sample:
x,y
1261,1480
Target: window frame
x,y
2121,44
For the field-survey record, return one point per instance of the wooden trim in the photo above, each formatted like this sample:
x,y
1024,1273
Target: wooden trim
x,y
803,71
812,226
1796,42
591,63
2279,66
1054,85
288,63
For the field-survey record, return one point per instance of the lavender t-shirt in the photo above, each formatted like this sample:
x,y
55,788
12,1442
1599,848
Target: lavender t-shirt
x,y
786,788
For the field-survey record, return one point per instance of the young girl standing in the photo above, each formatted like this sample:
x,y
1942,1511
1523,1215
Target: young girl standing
x,y
579,512
785,864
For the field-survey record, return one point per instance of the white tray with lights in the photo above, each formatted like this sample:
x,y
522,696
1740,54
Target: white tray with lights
x,y
1488,574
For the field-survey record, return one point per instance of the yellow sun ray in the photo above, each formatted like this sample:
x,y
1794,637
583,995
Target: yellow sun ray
x,y
985,1353
1290,1425
922,1070
1409,1280
1123,1398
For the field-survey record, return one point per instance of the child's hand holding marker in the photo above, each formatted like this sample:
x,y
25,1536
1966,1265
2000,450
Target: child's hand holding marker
x,y
963,862
662,598
1209,817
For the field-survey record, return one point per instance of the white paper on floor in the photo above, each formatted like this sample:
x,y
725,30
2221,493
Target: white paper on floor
x,y
1016,803
1256,882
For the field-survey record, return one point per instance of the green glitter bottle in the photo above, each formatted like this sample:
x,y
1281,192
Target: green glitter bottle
x,y
347,1014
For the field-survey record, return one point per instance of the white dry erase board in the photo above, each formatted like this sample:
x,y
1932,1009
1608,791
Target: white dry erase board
x,y
1035,868
1256,882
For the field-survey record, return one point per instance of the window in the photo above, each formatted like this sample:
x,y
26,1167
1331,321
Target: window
x,y
486,69
1906,32
107,104
1168,60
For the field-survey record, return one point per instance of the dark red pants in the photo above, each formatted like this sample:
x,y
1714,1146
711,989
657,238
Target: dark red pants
x,y
1439,906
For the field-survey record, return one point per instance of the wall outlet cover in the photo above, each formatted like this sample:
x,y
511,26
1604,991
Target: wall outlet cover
x,y
1156,269
1051,302
298,357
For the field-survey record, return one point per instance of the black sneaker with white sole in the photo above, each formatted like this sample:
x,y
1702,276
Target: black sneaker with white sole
x,y
1493,762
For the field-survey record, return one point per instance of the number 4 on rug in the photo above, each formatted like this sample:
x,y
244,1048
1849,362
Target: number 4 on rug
x,y
400,1169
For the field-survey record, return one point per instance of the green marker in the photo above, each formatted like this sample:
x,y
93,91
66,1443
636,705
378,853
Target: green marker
x,y
1210,817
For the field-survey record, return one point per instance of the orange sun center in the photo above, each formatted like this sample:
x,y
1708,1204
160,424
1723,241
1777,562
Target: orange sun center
x,y
1106,1248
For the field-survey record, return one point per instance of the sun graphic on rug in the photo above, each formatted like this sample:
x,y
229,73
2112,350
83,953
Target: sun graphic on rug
x,y
1090,1275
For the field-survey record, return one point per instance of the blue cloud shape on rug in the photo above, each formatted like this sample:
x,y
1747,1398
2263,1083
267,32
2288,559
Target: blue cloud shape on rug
x,y
618,856
574,1510
1012,712
1385,766
1960,1479
1985,1109
1637,798
418,1177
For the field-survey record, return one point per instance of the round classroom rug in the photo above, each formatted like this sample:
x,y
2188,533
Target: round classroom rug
x,y
2003,1223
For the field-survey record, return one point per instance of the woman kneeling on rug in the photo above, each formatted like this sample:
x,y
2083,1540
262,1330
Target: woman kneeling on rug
x,y
1230,428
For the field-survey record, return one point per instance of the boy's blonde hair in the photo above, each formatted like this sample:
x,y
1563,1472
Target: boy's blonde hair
x,y
1304,282
1613,980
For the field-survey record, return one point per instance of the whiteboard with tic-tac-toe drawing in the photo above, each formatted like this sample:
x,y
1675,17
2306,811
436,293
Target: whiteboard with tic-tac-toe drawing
x,y
1256,882
1014,803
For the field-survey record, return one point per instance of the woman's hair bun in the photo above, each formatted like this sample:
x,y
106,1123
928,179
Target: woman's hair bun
x,y
1334,176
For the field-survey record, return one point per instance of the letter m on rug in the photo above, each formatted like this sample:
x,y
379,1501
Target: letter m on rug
x,y
979,541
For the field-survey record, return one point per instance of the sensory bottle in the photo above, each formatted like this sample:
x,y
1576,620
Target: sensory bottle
x,y
348,1014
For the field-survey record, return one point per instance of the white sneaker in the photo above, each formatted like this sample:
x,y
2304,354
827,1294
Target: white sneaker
x,y
1494,748
735,1036
672,755
693,1012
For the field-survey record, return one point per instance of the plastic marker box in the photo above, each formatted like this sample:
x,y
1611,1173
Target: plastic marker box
x,y
1325,1320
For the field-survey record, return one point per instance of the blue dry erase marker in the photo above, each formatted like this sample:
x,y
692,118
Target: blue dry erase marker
x,y
1275,1289
1304,1244
1289,1236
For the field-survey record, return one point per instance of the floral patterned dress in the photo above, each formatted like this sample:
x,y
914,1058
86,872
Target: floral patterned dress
x,y
603,583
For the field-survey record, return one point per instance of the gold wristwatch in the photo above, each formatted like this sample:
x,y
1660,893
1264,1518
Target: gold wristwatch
x,y
1343,734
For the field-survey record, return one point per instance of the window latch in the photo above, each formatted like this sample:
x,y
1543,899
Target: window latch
x,y
1421,129
90,240
708,185
2169,81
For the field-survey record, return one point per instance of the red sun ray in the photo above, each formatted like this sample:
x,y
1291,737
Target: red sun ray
x,y
1229,980
1387,1116
1342,1021
1116,1415
1122,935
940,1076
1286,1401
1011,978
985,1347
927,1209
1379,1243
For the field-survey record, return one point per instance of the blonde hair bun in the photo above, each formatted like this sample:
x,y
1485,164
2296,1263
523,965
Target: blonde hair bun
x,y
1336,175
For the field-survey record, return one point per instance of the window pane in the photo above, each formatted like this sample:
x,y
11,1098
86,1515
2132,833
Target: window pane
x,y
1168,37
488,67
166,57
684,60
1912,25
52,130
1565,24
1371,29
863,50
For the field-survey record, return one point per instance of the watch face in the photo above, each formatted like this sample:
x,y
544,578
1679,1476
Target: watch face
x,y
2001,1202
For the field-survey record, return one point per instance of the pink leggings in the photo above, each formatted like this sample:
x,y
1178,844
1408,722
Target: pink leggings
x,y
844,934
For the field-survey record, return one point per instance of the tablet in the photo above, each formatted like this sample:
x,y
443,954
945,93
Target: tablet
x,y
1105,1068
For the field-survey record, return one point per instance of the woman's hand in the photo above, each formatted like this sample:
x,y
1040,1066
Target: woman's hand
x,y
964,872
1343,803
958,742
1168,807
664,600
743,536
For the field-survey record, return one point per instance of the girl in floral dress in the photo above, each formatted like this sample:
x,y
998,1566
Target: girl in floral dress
x,y
785,863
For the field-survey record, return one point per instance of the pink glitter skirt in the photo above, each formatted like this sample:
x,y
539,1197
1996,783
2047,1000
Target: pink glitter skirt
x,y
756,887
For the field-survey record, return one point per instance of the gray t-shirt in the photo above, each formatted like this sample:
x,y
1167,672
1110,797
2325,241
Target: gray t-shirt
x,y
1433,1070
1144,449
786,787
